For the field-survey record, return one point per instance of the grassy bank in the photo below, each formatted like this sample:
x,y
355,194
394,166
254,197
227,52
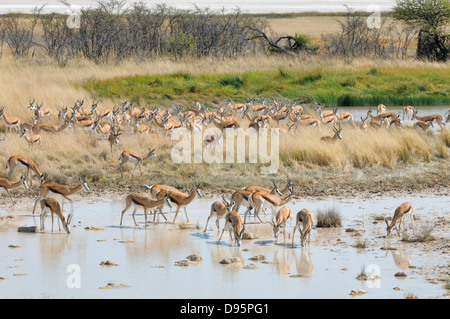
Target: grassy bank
x,y
362,87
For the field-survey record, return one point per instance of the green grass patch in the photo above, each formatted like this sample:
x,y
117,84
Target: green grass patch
x,y
364,87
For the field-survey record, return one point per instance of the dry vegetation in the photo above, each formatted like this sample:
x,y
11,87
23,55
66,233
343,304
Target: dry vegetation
x,y
362,161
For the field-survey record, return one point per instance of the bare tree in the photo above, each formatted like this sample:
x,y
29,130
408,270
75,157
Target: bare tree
x,y
18,33
57,38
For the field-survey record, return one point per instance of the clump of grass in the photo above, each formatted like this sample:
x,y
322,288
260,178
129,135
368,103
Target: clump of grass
x,y
366,277
421,235
330,217
447,283
310,78
284,74
373,71
362,274
183,226
378,217
411,295
361,244
232,80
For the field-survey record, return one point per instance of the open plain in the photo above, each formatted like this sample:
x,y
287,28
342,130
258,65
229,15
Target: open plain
x,y
364,176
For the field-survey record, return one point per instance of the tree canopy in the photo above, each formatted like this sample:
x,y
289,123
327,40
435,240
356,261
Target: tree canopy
x,y
430,17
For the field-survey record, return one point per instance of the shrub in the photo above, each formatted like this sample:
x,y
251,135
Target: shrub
x,y
330,217
421,235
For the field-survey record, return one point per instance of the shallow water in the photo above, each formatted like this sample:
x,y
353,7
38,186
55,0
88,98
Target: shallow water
x,y
359,112
146,256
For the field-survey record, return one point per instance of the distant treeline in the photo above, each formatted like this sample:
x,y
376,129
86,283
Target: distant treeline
x,y
114,31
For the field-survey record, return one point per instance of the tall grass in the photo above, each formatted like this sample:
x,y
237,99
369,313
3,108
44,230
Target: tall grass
x,y
67,155
358,149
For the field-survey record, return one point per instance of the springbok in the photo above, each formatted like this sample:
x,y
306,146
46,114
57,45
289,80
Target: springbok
x,y
52,190
305,219
424,126
218,210
233,223
37,128
343,116
142,201
430,118
130,156
408,111
19,161
337,135
52,205
381,109
182,199
283,215
260,200
7,185
401,210
113,138
32,140
10,122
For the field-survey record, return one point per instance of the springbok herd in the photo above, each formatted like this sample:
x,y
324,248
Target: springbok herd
x,y
131,119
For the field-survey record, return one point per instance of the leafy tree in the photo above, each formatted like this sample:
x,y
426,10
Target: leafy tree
x,y
430,17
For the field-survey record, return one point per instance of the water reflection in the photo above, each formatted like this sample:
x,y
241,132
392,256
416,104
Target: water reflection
x,y
304,265
283,258
403,259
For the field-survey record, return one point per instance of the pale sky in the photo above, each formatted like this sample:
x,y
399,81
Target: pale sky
x,y
250,6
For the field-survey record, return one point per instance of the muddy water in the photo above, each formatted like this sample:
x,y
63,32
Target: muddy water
x,y
146,256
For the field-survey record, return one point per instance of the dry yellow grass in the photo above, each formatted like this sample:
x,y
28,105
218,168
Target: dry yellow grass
x,y
67,155
313,26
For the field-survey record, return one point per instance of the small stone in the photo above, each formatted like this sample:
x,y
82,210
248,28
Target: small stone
x,y
94,228
401,274
357,292
2,218
194,258
251,266
113,285
258,258
14,246
182,263
108,263
367,278
232,260
27,229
